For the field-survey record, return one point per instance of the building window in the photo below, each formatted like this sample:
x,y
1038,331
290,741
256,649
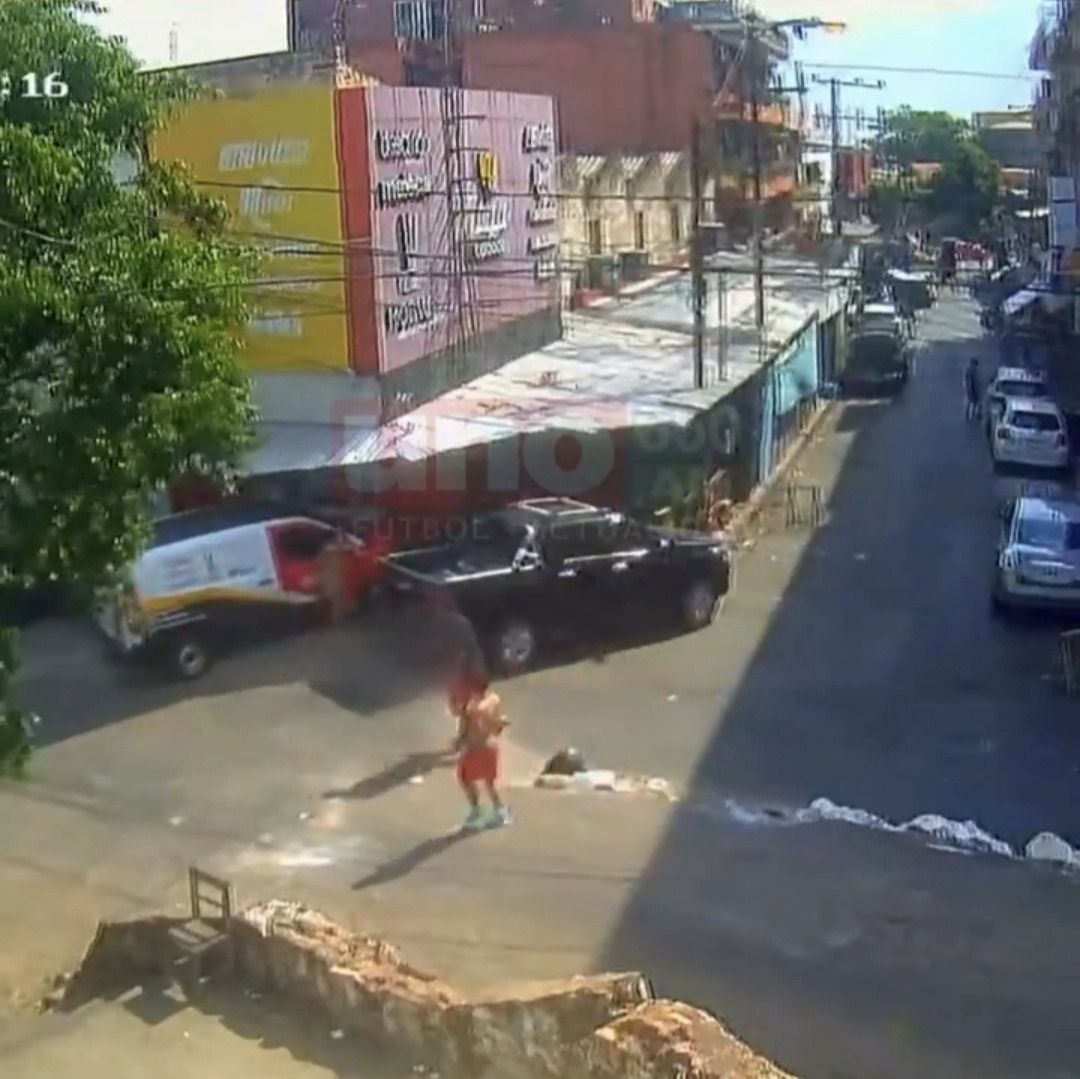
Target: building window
x,y
596,236
639,232
675,218
419,20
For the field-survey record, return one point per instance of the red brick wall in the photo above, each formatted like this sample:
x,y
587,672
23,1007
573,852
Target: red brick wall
x,y
632,90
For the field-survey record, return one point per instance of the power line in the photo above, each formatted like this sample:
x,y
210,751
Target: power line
x,y
944,71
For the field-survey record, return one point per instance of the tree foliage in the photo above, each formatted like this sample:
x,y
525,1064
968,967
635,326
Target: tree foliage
x,y
917,135
121,307
961,196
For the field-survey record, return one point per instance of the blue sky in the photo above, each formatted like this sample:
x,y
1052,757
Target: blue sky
x,y
966,35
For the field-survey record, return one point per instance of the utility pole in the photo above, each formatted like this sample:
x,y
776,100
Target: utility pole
x,y
755,150
835,118
697,251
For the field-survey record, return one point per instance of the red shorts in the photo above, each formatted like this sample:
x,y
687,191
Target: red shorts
x,y
479,764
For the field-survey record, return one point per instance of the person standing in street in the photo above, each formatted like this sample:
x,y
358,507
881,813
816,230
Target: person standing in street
x,y
972,389
480,723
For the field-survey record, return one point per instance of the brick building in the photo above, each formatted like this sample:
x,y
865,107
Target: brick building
x,y
628,76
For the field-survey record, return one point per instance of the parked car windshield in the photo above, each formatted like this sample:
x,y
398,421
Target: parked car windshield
x,y
1041,533
497,532
1057,535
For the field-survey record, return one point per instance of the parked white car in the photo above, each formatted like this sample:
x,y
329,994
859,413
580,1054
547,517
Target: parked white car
x,y
1011,382
1038,563
1030,432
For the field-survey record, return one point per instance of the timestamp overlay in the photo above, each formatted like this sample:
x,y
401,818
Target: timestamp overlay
x,y
31,85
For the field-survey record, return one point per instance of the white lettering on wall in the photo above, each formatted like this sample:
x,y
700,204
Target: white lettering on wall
x,y
403,189
544,269
542,213
263,202
240,156
403,319
543,210
277,325
483,250
402,145
538,137
488,221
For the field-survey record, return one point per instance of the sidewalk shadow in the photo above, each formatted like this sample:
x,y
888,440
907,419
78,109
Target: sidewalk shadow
x,y
404,864
394,775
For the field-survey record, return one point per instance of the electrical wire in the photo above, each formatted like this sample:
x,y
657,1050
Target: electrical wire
x,y
942,71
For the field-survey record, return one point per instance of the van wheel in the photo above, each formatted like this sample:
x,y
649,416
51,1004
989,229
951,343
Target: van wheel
x,y
190,657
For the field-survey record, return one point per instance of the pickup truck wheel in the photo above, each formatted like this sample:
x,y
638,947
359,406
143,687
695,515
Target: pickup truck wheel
x,y
514,647
190,656
699,605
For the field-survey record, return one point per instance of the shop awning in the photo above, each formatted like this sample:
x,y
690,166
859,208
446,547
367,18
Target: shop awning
x,y
589,167
1019,301
633,166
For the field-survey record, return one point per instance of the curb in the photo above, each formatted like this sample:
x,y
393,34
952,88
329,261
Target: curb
x,y
748,511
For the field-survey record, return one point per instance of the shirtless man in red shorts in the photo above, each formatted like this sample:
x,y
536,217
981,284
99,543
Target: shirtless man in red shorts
x,y
480,722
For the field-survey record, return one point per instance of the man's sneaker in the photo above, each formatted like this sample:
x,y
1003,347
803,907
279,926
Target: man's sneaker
x,y
499,818
474,819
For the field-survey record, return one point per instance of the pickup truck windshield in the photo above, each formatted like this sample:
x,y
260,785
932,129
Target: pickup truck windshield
x,y
495,532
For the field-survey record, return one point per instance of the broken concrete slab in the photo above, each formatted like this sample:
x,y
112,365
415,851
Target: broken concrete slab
x,y
601,1026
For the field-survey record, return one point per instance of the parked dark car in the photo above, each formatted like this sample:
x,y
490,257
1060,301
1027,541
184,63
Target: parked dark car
x,y
877,361
553,569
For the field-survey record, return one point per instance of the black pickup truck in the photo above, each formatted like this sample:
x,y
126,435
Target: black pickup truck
x,y
549,569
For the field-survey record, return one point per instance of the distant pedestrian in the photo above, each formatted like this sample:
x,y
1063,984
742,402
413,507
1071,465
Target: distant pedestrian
x,y
972,389
480,723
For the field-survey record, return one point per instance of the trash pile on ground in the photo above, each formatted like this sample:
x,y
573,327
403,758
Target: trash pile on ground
x,y
567,771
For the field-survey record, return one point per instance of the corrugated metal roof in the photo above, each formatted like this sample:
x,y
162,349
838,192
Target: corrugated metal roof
x,y
297,447
610,371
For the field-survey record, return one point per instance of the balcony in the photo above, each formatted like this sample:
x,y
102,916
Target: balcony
x,y
732,108
724,18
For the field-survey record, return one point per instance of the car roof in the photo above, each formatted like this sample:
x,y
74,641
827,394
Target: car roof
x,y
1016,374
178,527
1033,404
879,309
1048,509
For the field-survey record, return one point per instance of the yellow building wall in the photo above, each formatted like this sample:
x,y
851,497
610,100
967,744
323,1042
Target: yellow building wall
x,y
272,158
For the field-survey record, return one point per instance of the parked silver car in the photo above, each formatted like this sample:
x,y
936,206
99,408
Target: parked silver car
x,y
1038,555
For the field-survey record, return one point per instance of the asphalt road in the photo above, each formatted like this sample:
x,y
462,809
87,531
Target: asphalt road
x,y
883,674
857,662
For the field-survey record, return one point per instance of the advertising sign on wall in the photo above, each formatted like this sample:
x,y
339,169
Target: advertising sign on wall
x,y
492,250
273,159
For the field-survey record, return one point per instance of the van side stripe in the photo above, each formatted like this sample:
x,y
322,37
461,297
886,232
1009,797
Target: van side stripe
x,y
222,594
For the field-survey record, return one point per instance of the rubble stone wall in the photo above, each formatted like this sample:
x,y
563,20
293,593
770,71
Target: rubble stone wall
x,y
603,1026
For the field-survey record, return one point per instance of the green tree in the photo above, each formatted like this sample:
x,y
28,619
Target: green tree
x,y
965,195
911,135
121,308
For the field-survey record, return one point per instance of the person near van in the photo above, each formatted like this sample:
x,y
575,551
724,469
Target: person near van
x,y
972,389
334,578
480,723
